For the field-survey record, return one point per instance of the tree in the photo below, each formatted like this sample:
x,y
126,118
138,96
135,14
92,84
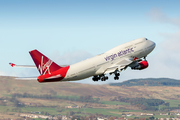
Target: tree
x,y
152,118
167,104
71,113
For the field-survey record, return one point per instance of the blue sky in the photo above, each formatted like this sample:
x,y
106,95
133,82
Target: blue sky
x,y
70,31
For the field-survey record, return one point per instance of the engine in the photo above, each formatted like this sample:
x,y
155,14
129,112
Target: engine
x,y
140,65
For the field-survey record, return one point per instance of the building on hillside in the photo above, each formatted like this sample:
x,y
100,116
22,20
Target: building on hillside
x,y
163,113
147,114
73,106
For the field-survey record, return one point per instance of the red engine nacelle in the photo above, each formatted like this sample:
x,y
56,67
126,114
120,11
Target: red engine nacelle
x,y
141,65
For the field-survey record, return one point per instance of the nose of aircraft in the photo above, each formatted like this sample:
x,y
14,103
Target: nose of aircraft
x,y
152,45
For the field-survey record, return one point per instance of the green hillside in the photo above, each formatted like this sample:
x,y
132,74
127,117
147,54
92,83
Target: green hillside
x,y
25,96
149,82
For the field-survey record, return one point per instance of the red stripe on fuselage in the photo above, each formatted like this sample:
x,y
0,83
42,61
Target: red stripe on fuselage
x,y
55,76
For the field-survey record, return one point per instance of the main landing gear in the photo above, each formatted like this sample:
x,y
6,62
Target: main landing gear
x,y
96,78
104,78
117,76
100,77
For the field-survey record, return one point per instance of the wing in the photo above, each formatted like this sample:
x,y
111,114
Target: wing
x,y
123,64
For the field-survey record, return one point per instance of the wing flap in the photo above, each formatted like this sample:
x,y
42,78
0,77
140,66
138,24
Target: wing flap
x,y
111,70
119,66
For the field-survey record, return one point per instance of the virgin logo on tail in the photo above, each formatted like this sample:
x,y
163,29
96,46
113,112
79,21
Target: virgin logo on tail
x,y
45,67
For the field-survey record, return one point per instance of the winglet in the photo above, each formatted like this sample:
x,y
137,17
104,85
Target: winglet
x,y
12,64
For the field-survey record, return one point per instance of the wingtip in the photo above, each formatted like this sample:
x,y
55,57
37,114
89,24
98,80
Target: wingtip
x,y
12,64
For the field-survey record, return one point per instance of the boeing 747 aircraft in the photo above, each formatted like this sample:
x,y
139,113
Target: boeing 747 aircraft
x,y
132,54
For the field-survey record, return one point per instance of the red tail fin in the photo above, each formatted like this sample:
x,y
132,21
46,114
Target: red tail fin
x,y
43,64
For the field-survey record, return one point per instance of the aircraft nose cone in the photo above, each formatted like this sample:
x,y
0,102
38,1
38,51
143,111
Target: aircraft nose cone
x,y
151,45
154,45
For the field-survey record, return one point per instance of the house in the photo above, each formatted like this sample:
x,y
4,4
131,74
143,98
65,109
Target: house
x,y
147,114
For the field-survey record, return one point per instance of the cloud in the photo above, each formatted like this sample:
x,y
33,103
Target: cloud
x,y
169,55
166,61
158,16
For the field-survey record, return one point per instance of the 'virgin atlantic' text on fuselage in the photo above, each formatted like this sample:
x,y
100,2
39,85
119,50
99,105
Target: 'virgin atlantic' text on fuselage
x,y
119,54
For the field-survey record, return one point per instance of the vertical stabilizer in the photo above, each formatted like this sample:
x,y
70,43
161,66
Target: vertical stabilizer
x,y
43,63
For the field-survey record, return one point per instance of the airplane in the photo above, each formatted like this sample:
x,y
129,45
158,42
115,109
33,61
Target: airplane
x,y
131,54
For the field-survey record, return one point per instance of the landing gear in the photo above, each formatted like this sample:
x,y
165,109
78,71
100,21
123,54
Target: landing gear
x,y
100,77
116,76
104,78
96,78
145,57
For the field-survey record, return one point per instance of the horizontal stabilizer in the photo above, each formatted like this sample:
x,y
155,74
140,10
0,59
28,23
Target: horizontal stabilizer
x,y
26,66
29,66
26,78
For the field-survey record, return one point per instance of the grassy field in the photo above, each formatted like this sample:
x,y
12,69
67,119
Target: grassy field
x,y
114,103
173,103
62,111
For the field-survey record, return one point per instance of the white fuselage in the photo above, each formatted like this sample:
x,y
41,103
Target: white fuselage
x,y
97,65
